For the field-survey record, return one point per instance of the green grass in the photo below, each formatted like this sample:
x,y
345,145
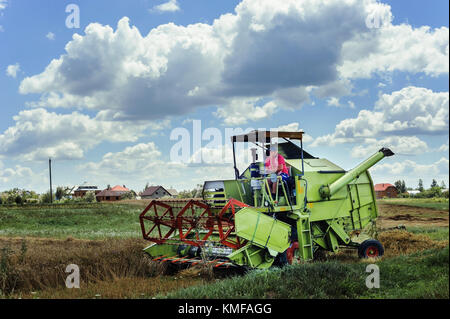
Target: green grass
x,y
433,203
93,221
420,275
435,233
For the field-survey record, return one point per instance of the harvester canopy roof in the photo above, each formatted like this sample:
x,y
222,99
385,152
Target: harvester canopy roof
x,y
265,136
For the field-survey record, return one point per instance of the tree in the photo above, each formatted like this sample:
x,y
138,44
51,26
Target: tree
x,y
420,188
401,186
443,186
146,186
128,195
59,193
45,198
398,185
89,197
18,200
434,183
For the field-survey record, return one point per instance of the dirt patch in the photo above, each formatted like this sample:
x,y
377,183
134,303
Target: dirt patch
x,y
393,215
400,242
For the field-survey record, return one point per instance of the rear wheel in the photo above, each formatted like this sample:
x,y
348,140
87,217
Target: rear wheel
x,y
370,248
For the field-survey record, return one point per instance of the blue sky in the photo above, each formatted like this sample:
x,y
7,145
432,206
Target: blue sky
x,y
102,100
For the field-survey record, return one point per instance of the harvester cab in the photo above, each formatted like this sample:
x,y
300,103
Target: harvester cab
x,y
240,223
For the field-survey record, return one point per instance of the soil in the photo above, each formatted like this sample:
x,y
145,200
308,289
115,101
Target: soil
x,y
395,215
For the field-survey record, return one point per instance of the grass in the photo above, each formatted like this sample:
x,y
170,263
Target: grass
x,y
434,233
105,241
432,203
93,221
419,275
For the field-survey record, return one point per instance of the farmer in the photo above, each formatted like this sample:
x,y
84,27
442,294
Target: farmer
x,y
275,166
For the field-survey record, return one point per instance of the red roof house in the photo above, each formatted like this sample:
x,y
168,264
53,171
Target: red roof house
x,y
385,190
119,188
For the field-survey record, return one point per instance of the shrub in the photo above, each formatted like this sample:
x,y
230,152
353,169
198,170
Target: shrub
x,y
89,197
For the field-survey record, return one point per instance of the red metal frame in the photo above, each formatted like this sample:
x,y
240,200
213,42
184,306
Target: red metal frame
x,y
225,232
189,219
193,222
157,222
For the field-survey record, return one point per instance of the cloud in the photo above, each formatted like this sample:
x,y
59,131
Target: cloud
x,y
21,177
169,6
407,112
400,145
12,70
39,134
333,102
277,51
444,147
50,36
3,4
295,127
241,111
397,48
135,165
411,168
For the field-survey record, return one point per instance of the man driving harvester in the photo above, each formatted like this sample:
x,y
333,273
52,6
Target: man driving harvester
x,y
275,166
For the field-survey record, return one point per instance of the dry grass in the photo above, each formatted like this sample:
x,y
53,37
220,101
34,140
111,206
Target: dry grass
x,y
118,288
400,242
32,264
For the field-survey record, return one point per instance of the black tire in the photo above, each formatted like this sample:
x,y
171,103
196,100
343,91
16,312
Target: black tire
x,y
370,248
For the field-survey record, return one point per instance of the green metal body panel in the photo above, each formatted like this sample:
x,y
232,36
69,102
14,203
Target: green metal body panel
x,y
262,230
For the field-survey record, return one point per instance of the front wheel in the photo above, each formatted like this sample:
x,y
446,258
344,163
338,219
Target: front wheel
x,y
370,248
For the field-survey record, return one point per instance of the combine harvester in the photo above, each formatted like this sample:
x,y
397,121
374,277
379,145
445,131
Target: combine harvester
x,y
238,222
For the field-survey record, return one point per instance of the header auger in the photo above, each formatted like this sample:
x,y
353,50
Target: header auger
x,y
240,222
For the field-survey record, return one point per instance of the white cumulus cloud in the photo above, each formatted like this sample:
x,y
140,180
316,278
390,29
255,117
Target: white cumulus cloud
x,y
12,70
169,6
281,51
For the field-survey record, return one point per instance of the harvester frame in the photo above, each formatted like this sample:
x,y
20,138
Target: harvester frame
x,y
238,222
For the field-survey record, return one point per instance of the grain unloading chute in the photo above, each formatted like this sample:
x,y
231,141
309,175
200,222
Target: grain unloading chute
x,y
240,222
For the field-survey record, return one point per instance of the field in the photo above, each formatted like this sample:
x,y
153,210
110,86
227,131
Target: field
x,y
37,243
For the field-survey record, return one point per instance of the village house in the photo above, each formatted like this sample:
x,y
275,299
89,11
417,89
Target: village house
x,y
81,190
154,192
385,190
112,194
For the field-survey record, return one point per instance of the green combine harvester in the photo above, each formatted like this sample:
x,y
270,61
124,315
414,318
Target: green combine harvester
x,y
241,223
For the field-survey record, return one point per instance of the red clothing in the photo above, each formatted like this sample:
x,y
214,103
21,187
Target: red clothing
x,y
273,164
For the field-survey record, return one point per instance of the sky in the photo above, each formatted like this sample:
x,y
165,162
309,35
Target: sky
x,y
114,91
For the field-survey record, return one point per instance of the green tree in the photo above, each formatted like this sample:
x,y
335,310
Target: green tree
x,y
420,188
434,183
59,194
443,186
401,186
398,185
18,200
45,198
89,197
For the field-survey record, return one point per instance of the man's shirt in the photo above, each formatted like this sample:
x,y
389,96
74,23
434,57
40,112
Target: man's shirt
x,y
272,163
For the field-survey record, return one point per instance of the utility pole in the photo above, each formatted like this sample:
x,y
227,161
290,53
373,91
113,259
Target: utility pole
x,y
50,171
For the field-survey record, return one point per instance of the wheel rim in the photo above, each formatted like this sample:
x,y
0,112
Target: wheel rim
x,y
372,251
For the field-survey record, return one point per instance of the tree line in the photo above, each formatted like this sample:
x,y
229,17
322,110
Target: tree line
x,y
435,190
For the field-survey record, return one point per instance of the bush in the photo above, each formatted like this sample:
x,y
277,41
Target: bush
x,y
89,197
45,198
18,200
128,195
